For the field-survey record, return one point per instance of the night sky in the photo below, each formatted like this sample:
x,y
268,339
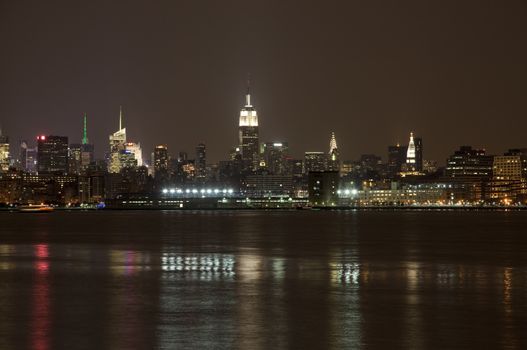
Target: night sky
x,y
454,72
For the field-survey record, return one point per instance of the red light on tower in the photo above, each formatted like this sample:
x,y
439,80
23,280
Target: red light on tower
x,y
41,138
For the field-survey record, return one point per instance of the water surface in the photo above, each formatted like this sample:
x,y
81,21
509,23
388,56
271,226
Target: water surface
x,y
263,279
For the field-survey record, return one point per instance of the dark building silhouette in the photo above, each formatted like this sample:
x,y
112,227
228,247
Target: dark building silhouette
x,y
275,155
322,188
52,154
469,162
396,158
201,161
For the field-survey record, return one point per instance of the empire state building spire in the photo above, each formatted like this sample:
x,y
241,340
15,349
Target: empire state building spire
x,y
248,95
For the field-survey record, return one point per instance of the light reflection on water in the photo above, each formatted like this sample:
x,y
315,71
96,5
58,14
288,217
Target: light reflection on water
x,y
41,308
260,285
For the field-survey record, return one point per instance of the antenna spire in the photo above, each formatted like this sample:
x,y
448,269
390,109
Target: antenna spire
x,y
120,117
248,95
85,130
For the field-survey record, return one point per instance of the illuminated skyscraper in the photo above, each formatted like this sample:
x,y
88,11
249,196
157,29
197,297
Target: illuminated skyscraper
x,y
410,153
4,152
333,155
248,134
135,149
87,148
161,161
414,154
117,146
81,155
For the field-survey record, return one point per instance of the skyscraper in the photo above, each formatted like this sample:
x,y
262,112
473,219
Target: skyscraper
x,y
414,154
117,146
135,149
81,155
248,134
418,143
410,153
22,155
52,154
315,161
4,152
201,161
276,155
333,154
87,148
396,158
160,161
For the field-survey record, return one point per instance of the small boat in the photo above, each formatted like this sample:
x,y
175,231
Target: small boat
x,y
37,208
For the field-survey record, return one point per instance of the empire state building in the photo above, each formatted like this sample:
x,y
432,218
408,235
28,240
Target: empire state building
x,y
248,134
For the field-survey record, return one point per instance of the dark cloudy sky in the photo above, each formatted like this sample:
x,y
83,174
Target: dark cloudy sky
x,y
452,71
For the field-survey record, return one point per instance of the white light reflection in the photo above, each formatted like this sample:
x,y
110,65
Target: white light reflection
x,y
347,273
206,265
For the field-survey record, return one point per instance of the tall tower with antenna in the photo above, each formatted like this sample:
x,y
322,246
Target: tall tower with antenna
x,y
248,133
333,155
117,146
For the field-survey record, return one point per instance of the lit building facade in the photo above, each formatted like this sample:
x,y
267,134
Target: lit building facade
x,y
81,155
315,161
117,147
414,154
333,163
134,149
161,160
264,185
507,180
248,134
4,152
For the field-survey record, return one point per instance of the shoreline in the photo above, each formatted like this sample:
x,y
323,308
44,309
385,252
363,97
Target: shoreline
x,y
301,209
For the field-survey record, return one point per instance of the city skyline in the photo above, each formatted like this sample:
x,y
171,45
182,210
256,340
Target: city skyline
x,y
295,153
449,74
